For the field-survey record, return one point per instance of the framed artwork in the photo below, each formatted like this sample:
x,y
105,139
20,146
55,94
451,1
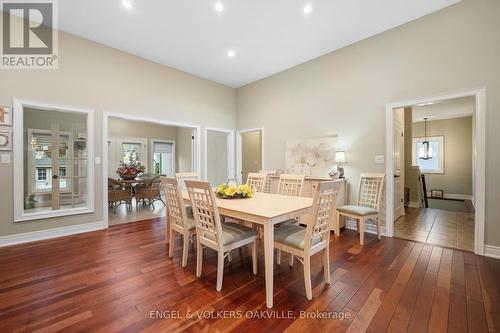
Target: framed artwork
x,y
311,157
5,139
5,115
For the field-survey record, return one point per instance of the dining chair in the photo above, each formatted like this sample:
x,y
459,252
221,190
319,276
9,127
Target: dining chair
x,y
149,191
117,194
371,187
269,181
304,242
183,176
291,184
178,218
257,181
211,233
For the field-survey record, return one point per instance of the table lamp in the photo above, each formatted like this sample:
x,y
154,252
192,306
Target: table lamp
x,y
340,159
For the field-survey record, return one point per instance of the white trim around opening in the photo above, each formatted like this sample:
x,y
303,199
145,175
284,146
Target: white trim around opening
x,y
479,159
106,115
230,150
239,153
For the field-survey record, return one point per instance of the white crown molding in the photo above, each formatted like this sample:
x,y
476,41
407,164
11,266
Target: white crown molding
x,y
50,233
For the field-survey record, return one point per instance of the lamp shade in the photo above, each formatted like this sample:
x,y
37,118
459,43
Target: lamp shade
x,y
340,156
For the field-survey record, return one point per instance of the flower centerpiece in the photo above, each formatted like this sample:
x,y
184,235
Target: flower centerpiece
x,y
130,170
226,191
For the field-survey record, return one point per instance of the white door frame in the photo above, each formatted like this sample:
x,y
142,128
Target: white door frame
x,y
479,159
106,115
152,143
18,159
239,156
230,150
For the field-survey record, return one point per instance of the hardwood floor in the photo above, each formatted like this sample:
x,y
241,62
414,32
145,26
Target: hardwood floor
x,y
437,226
111,280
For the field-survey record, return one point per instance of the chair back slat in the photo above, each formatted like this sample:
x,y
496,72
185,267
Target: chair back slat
x,y
206,213
183,176
371,186
268,185
257,181
176,210
322,212
291,185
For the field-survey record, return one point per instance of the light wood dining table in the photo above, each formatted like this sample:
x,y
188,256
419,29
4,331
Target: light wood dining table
x,y
267,210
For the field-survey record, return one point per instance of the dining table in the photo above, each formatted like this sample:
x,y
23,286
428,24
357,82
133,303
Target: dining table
x,y
266,210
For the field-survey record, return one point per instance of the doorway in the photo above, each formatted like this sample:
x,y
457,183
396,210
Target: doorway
x,y
219,155
159,149
438,170
250,152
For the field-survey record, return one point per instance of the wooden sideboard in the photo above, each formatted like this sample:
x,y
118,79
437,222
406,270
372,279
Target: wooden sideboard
x,y
310,184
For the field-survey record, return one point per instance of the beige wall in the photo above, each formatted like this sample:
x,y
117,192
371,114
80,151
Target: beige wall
x,y
457,132
251,153
345,92
94,76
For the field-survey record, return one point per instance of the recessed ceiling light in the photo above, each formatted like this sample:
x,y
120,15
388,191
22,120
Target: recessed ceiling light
x,y
219,7
127,4
308,9
231,53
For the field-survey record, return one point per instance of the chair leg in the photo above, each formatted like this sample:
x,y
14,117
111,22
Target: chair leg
x,y
199,258
337,224
378,227
171,243
326,264
254,257
278,256
307,276
220,269
362,231
357,225
185,249
292,257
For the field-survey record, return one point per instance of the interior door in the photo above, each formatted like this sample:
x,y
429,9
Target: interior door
x,y
398,163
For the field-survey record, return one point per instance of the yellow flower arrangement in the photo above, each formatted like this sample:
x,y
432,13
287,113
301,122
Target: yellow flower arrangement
x,y
232,191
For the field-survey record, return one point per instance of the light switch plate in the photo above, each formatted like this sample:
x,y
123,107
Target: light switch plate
x,y
379,159
5,158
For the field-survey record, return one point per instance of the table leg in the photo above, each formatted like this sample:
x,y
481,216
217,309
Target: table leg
x,y
269,262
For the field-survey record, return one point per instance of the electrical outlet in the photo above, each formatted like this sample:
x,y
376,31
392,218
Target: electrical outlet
x,y
379,159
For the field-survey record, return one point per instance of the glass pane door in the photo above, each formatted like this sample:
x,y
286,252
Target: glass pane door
x,y
163,158
55,160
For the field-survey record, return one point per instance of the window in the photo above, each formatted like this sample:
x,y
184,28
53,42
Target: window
x,y
62,172
163,158
41,174
131,151
434,164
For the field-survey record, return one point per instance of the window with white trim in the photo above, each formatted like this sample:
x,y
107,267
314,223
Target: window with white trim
x,y
435,161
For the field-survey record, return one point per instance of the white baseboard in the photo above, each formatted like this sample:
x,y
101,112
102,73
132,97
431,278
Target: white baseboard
x,y
50,233
414,204
492,251
453,196
370,227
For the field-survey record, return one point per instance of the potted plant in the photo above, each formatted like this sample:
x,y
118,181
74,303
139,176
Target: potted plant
x,y
130,170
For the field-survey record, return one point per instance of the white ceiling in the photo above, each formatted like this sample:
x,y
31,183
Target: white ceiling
x,y
268,36
453,108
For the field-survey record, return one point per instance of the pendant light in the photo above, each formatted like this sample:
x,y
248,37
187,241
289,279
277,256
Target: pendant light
x,y
425,150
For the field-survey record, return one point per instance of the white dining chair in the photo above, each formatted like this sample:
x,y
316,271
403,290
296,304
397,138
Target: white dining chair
x,y
304,242
269,181
291,185
257,181
183,176
210,232
178,218
371,187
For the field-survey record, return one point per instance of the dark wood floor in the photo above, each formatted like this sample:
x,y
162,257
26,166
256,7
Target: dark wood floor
x,y
109,281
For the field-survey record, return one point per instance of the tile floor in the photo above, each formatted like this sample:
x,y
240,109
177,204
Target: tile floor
x,y
437,226
122,215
